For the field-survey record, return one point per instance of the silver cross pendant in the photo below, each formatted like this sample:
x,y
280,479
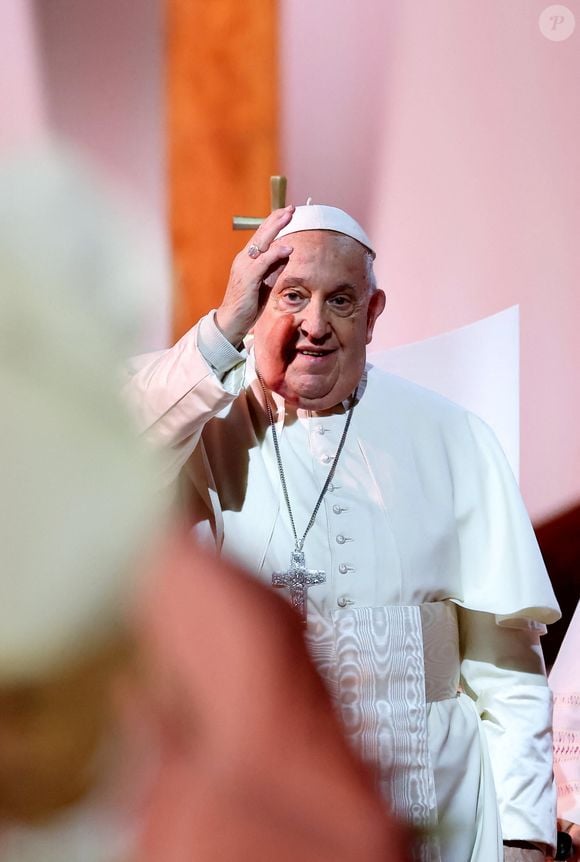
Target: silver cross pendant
x,y
298,578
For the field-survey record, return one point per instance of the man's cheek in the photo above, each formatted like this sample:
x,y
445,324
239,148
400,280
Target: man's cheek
x,y
277,350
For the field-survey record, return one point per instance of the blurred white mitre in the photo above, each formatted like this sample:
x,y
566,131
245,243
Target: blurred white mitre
x,y
77,494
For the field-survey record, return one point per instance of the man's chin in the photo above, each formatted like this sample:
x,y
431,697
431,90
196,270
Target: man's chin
x,y
310,392
312,398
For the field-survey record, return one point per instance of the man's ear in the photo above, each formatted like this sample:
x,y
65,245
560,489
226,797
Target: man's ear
x,y
376,307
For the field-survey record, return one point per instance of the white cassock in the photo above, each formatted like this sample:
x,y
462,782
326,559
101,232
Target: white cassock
x,y
427,626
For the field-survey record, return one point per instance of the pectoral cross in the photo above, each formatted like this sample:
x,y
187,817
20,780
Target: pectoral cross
x,y
298,578
277,200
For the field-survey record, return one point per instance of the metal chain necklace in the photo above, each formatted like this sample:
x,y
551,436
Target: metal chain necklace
x,y
298,578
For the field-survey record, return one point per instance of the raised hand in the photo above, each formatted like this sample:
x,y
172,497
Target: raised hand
x,y
244,296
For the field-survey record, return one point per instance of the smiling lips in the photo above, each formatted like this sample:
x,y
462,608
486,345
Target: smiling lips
x,y
309,350
314,352
312,357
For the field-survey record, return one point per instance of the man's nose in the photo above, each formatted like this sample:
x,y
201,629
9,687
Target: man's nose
x,y
314,322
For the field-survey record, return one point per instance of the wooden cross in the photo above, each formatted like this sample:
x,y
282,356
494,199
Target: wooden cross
x,y
277,200
298,578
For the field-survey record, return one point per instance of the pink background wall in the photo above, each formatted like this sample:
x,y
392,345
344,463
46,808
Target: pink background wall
x,y
22,98
451,130
103,66
93,73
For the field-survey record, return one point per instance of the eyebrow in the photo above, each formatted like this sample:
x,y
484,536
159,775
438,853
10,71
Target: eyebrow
x,y
295,281
292,281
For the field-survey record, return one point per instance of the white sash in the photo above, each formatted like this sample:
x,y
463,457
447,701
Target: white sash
x,y
383,665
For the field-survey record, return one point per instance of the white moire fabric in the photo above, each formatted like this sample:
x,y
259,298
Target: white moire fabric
x,y
565,684
422,509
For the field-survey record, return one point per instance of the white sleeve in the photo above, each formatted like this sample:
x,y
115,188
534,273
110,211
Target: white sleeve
x,y
174,393
502,569
503,671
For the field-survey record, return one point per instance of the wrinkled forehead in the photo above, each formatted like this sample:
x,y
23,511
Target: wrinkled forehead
x,y
324,256
322,243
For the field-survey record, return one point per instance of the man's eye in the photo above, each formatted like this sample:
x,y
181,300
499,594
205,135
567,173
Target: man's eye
x,y
293,296
341,303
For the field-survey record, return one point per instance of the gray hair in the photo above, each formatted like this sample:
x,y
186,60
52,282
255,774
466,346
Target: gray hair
x,y
370,271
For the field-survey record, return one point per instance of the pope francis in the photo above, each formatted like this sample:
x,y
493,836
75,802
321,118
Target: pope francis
x,y
388,517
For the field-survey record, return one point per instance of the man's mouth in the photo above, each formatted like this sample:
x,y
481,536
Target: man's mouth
x,y
313,351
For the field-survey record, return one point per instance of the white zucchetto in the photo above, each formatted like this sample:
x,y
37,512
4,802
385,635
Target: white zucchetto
x,y
320,217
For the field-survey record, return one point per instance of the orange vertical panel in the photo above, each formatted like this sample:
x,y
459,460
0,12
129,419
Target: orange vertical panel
x,y
222,117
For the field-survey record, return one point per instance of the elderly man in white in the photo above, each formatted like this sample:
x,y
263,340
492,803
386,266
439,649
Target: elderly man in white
x,y
388,517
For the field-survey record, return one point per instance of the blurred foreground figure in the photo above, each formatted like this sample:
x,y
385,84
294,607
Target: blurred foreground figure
x,y
78,510
565,683
253,764
154,705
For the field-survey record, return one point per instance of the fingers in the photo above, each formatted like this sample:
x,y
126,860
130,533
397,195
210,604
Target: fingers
x,y
252,268
275,254
269,230
260,258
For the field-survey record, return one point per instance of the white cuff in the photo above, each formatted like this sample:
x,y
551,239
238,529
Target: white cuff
x,y
215,348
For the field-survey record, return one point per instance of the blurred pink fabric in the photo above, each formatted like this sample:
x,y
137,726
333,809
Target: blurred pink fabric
x,y
565,683
251,763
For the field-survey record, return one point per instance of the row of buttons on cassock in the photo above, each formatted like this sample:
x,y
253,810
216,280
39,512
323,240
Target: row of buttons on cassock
x,y
344,568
